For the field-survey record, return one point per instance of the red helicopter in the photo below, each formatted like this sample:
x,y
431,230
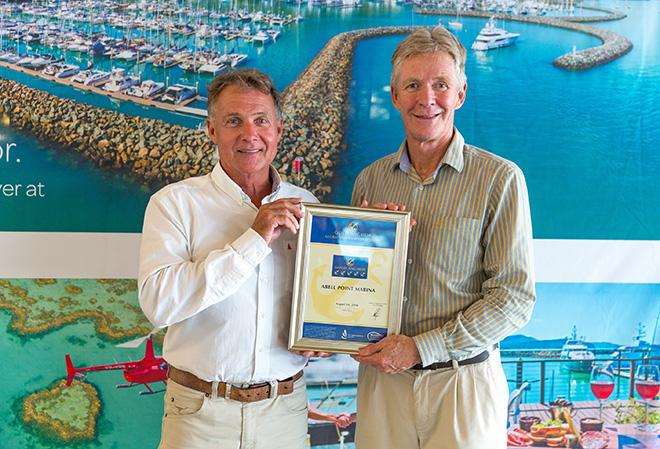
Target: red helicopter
x,y
142,372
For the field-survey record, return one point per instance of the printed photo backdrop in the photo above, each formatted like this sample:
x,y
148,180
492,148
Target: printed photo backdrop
x,y
77,168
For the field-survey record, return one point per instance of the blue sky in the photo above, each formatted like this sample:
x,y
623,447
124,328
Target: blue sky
x,y
601,312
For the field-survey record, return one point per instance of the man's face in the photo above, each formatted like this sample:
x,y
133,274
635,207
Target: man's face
x,y
246,129
427,93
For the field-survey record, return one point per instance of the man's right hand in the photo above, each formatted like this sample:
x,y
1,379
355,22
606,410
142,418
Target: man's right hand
x,y
273,218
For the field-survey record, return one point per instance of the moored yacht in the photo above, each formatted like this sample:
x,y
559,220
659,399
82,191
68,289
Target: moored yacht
x,y
491,37
640,349
119,81
96,78
576,354
147,89
178,93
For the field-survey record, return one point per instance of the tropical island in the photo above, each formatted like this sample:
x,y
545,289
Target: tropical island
x,y
66,413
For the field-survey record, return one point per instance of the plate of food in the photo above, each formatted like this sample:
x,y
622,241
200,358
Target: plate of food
x,y
594,440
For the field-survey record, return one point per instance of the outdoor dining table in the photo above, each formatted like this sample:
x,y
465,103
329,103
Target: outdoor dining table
x,y
622,436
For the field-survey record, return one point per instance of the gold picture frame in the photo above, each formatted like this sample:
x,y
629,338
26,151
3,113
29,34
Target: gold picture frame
x,y
349,277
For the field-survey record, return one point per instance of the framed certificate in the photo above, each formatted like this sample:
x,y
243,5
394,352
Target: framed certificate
x,y
349,277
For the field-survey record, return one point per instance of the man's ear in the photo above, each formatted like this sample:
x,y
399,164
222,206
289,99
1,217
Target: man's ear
x,y
461,96
395,97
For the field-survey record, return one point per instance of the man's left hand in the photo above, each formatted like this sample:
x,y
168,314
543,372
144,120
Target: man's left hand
x,y
393,354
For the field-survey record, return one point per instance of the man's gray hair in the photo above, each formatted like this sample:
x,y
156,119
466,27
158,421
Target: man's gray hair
x,y
428,41
244,79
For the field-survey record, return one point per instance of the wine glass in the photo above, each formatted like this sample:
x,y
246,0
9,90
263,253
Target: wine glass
x,y
647,384
602,384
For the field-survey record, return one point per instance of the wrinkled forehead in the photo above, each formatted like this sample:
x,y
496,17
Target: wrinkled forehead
x,y
426,66
238,100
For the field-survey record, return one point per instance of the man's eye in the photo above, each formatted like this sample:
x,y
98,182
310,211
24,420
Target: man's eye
x,y
262,121
411,86
441,85
232,122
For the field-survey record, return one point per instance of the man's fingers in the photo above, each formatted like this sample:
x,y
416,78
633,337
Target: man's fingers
x,y
364,203
371,349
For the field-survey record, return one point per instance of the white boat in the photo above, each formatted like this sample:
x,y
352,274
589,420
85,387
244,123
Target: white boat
x,y
96,78
127,55
273,33
178,93
66,70
212,68
575,354
233,59
147,89
640,349
119,81
52,69
455,25
81,77
491,37
261,37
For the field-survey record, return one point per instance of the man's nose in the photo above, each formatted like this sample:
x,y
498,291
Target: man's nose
x,y
249,132
427,96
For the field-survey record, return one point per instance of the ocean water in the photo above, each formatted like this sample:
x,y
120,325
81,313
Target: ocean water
x,y
127,420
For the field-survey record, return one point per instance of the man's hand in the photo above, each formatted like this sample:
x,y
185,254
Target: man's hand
x,y
393,354
390,206
343,420
273,218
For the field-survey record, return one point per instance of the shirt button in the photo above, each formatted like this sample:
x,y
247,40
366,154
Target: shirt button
x,y
409,261
420,188
405,298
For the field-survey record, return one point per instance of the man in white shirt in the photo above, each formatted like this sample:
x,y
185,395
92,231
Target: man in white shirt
x,y
216,268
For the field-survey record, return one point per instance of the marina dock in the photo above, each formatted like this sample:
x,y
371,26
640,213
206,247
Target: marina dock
x,y
182,107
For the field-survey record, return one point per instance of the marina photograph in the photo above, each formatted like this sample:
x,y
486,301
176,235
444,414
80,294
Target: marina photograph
x,y
102,103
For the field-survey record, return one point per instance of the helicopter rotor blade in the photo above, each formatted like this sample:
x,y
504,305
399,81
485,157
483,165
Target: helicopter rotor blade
x,y
138,341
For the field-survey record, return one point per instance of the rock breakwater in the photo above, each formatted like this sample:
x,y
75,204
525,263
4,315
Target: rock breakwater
x,y
157,152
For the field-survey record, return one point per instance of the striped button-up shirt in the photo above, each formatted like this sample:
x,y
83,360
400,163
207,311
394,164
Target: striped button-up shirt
x,y
469,279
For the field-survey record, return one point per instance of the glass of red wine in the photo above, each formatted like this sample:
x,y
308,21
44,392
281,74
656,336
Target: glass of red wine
x,y
602,384
647,384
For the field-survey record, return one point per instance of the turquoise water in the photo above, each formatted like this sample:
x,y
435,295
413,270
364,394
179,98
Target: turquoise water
x,y
35,363
78,196
585,140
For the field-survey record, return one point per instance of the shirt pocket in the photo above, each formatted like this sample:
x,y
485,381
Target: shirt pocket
x,y
455,246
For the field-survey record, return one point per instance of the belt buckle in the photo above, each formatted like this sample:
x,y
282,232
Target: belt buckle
x,y
273,389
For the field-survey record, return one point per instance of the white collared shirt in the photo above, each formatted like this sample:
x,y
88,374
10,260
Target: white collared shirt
x,y
223,293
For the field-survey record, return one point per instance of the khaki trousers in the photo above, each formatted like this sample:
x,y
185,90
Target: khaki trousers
x,y
464,407
193,421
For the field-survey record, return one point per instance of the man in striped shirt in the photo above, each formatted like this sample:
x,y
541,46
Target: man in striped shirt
x,y
469,279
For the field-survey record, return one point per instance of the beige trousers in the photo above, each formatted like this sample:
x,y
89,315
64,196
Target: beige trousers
x,y
464,407
193,421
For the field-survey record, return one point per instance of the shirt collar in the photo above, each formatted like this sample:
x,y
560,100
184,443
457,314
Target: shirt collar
x,y
226,184
453,157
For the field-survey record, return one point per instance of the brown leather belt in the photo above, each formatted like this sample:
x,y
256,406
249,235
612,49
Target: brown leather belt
x,y
441,365
250,393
